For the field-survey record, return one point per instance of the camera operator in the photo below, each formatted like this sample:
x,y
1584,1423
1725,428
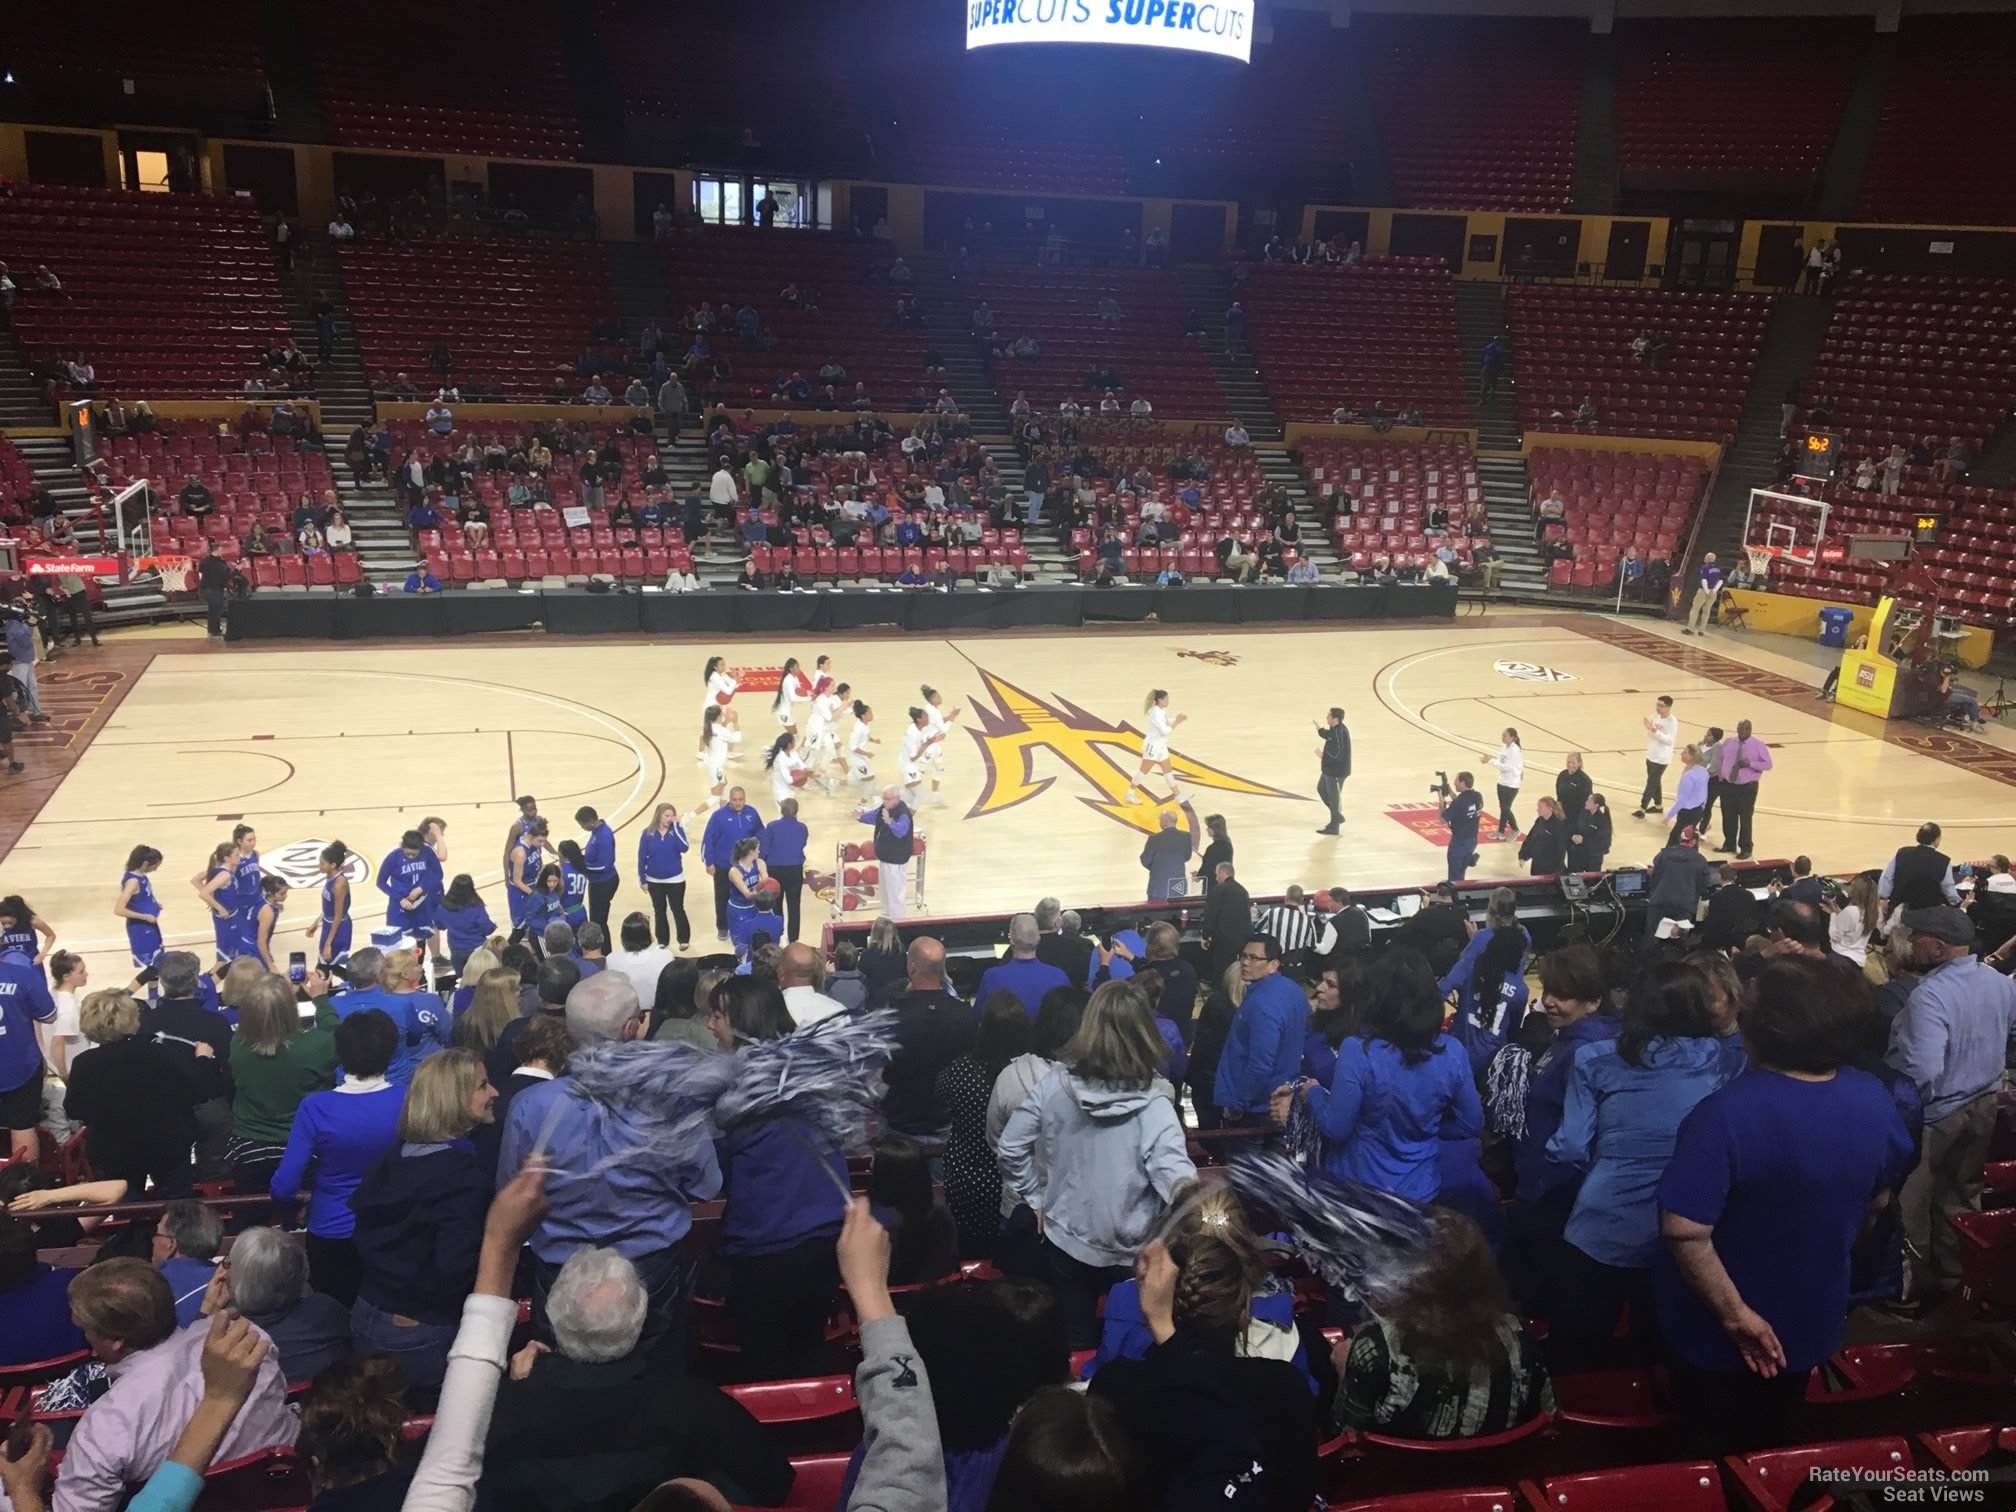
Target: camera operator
x,y
1460,811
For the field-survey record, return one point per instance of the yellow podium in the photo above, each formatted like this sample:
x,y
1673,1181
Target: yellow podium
x,y
1869,680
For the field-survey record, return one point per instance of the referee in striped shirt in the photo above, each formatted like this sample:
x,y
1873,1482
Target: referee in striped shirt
x,y
1292,923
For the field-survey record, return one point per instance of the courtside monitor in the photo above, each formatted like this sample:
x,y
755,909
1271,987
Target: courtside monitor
x,y
1220,27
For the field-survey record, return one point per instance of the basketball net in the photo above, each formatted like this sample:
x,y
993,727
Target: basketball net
x,y
177,572
1760,560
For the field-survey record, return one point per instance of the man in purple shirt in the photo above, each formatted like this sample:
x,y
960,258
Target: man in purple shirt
x,y
128,1316
1701,613
1744,759
1021,974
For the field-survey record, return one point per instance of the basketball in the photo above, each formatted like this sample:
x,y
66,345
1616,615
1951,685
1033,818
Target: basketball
x,y
801,777
723,699
769,889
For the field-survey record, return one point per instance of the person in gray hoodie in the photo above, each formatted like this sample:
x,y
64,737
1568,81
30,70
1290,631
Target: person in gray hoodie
x,y
1109,1149
903,1466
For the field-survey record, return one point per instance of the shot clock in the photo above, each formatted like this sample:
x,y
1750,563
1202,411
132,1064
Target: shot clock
x,y
1818,453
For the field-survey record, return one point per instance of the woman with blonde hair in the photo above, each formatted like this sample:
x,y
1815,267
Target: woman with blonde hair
x,y
135,1099
420,1215
1851,925
1155,744
493,1003
1110,1149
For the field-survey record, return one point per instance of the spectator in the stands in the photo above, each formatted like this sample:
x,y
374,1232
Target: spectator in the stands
x,y
196,498
134,1099
593,1422
47,282
422,580
1771,1180
34,1320
1447,1357
419,1219
1952,1041
156,1381
1096,1152
1551,510
276,1061
1585,412
1236,435
337,1137
1954,465
1141,409
268,1278
340,229
186,1243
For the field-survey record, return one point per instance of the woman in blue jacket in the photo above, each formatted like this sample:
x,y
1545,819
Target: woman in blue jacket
x,y
1626,1100
419,1219
1574,996
336,1138
549,900
462,917
784,1201
661,871
1491,993
1401,1087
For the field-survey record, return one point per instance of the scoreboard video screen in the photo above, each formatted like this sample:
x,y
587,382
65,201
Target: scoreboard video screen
x,y
1817,454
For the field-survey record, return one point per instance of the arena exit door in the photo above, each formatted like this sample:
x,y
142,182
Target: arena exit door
x,y
1702,254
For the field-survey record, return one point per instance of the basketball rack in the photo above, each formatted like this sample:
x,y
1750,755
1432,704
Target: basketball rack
x,y
1782,542
857,878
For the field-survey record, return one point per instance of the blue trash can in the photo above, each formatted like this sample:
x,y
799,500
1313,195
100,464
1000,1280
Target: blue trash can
x,y
1834,626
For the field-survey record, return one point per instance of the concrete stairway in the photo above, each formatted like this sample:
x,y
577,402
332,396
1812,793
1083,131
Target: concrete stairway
x,y
297,110
1210,295
639,281
49,460
341,384
1371,169
1508,502
1848,155
1791,340
1480,315
949,319
21,402
1595,183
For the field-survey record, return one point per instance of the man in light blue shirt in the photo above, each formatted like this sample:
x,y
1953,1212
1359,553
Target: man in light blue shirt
x,y
641,1208
1953,1041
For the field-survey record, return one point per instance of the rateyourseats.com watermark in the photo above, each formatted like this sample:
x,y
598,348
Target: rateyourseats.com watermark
x,y
1904,1487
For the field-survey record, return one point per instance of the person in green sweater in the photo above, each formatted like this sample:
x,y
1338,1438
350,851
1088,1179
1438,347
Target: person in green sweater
x,y
276,1060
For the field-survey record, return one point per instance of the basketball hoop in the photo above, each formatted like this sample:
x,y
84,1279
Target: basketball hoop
x,y
1760,560
177,572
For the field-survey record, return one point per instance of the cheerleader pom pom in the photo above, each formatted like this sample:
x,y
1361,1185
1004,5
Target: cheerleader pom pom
x,y
1368,1243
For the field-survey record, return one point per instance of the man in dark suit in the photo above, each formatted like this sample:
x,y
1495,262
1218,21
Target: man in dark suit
x,y
1227,921
1174,979
1804,886
1734,914
1068,950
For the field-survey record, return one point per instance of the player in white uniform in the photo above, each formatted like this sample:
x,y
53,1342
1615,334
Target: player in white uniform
x,y
939,723
788,772
860,763
714,751
793,688
720,688
822,740
916,739
1155,745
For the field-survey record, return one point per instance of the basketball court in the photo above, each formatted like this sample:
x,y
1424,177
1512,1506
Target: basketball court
x,y
171,741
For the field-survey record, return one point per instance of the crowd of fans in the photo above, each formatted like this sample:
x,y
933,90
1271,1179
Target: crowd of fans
x,y
1729,1138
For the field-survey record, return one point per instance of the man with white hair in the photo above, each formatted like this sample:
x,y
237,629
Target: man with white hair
x,y
269,1285
895,843
593,1423
1022,973
642,1209
1066,949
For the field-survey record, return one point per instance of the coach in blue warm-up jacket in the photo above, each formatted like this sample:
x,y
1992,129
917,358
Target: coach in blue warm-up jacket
x,y
1264,1049
598,854
726,826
